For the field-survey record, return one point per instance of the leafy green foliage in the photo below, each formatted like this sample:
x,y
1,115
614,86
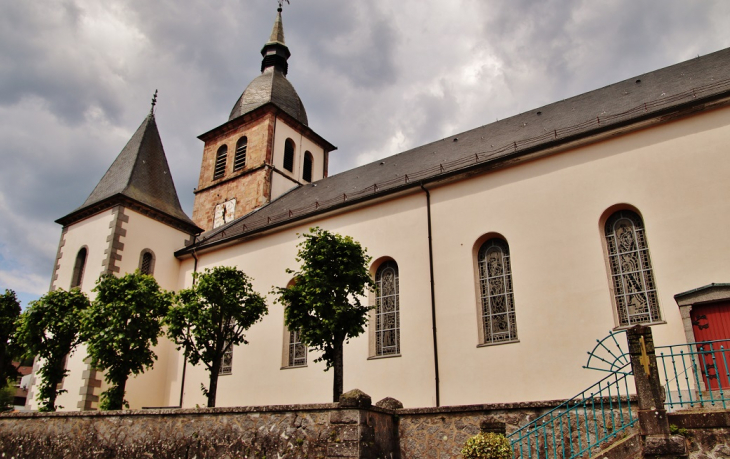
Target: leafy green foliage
x,y
120,329
49,329
9,312
324,304
212,316
487,446
7,397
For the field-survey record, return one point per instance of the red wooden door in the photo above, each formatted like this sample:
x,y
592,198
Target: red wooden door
x,y
711,322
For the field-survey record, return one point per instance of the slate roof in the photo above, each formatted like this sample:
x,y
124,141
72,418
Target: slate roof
x,y
141,173
270,87
663,93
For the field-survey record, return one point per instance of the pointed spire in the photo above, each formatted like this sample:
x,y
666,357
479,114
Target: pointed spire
x,y
275,51
139,173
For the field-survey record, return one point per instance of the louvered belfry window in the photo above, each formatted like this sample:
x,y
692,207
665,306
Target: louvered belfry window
x,y
499,322
220,162
387,310
239,162
297,350
289,155
632,280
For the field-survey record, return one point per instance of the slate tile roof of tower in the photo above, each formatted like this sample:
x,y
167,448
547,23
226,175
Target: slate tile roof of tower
x,y
649,98
140,173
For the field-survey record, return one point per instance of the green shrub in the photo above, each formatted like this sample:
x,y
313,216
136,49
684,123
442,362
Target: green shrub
x,y
487,446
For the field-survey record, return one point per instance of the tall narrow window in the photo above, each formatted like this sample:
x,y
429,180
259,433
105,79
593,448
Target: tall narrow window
x,y
79,266
634,291
297,350
220,162
387,310
147,262
239,162
499,323
227,362
289,155
307,167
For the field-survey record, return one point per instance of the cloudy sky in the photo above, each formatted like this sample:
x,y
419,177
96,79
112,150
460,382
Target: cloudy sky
x,y
376,76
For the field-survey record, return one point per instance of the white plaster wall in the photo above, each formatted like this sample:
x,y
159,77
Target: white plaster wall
x,y
151,388
92,233
282,132
280,185
549,211
396,229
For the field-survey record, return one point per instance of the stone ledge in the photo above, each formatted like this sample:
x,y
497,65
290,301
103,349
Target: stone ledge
x,y
486,407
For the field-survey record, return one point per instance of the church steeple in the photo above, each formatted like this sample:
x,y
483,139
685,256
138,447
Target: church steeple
x,y
275,51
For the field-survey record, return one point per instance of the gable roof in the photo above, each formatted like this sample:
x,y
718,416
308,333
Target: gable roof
x,y
653,97
140,173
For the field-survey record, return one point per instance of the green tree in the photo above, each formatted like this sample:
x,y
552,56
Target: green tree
x,y
324,302
120,328
49,329
9,312
212,316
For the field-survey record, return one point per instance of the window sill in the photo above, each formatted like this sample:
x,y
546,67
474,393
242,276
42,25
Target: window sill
x,y
646,324
225,374
497,344
294,367
378,357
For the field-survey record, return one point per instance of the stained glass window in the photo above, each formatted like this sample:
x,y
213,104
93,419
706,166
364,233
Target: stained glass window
x,y
495,283
227,362
632,280
387,310
297,350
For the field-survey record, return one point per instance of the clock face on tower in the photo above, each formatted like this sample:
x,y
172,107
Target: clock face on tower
x,y
224,212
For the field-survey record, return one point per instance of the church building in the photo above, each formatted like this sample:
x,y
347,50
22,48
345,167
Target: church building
x,y
501,253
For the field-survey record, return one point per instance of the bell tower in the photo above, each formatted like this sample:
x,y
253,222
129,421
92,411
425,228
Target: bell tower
x,y
265,149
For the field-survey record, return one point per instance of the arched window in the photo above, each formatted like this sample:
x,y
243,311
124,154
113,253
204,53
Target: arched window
x,y
387,310
499,324
289,155
239,162
307,167
297,350
78,273
227,361
220,162
632,281
147,262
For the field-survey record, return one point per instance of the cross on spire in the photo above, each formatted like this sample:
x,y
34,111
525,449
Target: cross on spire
x,y
281,3
154,102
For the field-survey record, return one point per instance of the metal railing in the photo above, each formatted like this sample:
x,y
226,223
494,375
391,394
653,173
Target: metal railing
x,y
695,375
582,424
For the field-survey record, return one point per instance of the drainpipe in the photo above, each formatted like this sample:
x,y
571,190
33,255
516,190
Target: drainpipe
x,y
185,361
433,297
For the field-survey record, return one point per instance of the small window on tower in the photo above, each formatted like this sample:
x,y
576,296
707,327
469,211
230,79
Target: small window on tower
x,y
220,162
147,262
307,167
78,273
289,155
239,161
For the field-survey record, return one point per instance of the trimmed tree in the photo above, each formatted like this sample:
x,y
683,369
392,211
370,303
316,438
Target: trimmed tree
x,y
324,303
9,312
49,329
120,329
212,316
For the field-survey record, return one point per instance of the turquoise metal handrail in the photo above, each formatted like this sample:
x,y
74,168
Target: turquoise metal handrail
x,y
695,374
580,425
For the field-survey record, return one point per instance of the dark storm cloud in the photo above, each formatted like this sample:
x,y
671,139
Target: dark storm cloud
x,y
376,77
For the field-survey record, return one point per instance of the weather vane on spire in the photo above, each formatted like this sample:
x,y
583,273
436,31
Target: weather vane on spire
x,y
281,3
154,102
